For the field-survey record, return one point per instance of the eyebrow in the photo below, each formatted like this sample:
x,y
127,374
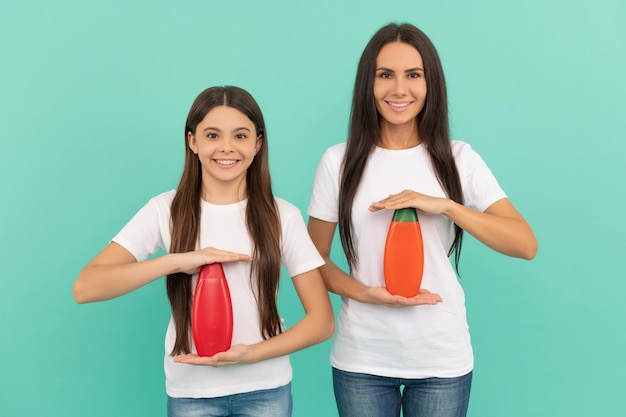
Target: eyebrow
x,y
219,130
408,70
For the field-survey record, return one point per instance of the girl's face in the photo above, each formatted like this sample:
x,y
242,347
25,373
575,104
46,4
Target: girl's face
x,y
399,84
226,143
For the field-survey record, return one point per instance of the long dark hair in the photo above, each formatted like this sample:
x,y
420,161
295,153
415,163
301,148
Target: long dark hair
x,y
261,211
364,130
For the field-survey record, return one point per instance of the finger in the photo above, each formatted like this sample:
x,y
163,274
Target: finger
x,y
421,301
236,257
402,201
384,201
192,359
223,361
235,254
188,359
429,295
394,300
210,250
230,257
225,357
424,297
397,203
428,299
220,252
402,302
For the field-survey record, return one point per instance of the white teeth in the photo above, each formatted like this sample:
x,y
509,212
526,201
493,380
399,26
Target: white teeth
x,y
225,161
398,105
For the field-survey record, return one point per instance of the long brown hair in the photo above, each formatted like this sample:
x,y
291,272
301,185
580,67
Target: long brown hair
x,y
262,218
364,130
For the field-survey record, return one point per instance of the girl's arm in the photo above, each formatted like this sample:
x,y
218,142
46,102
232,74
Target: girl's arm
x,y
317,325
500,226
338,282
115,272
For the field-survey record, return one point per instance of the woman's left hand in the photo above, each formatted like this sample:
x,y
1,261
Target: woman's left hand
x,y
409,198
500,226
236,354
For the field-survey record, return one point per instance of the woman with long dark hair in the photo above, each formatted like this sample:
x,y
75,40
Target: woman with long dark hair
x,y
222,211
393,353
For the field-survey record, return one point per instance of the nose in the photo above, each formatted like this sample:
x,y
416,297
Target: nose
x,y
226,145
399,86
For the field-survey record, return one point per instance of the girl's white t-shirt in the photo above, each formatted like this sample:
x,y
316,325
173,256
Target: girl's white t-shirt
x,y
410,342
223,227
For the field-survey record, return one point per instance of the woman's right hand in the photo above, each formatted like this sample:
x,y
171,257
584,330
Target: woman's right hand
x,y
191,262
380,295
338,282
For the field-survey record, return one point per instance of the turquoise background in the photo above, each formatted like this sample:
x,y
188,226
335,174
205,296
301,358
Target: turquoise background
x,y
93,99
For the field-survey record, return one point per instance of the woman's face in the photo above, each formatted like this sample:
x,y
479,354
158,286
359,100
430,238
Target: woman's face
x,y
399,84
226,143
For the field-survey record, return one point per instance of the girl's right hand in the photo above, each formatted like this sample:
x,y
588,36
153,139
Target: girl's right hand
x,y
380,295
115,271
191,262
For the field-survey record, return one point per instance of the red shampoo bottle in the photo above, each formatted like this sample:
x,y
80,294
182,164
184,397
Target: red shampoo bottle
x,y
212,312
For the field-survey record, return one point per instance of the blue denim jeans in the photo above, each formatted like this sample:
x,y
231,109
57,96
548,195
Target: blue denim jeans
x,y
275,402
363,395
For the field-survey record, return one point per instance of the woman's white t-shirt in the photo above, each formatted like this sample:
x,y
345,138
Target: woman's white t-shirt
x,y
409,342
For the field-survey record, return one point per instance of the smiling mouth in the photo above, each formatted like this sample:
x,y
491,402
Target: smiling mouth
x,y
399,106
226,162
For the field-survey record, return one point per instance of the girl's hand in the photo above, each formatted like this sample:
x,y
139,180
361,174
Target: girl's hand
x,y
236,354
408,198
115,271
191,262
380,295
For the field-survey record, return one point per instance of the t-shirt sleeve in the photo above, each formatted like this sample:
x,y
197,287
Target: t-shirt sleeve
x,y
298,251
142,235
324,204
480,187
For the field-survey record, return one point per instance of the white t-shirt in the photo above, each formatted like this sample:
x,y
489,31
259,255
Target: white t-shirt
x,y
410,342
223,227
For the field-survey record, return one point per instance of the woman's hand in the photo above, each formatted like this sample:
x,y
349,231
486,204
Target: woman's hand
x,y
236,354
500,226
380,295
338,282
408,198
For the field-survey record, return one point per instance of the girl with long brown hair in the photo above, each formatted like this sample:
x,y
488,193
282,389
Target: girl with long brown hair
x,y
393,353
222,211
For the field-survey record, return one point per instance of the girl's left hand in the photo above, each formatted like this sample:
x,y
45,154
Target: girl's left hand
x,y
409,198
236,354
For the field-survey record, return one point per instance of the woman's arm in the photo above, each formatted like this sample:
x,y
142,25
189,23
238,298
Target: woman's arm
x,y
338,282
115,272
317,325
500,226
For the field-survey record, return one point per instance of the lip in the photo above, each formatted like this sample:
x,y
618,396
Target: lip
x,y
230,163
399,106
